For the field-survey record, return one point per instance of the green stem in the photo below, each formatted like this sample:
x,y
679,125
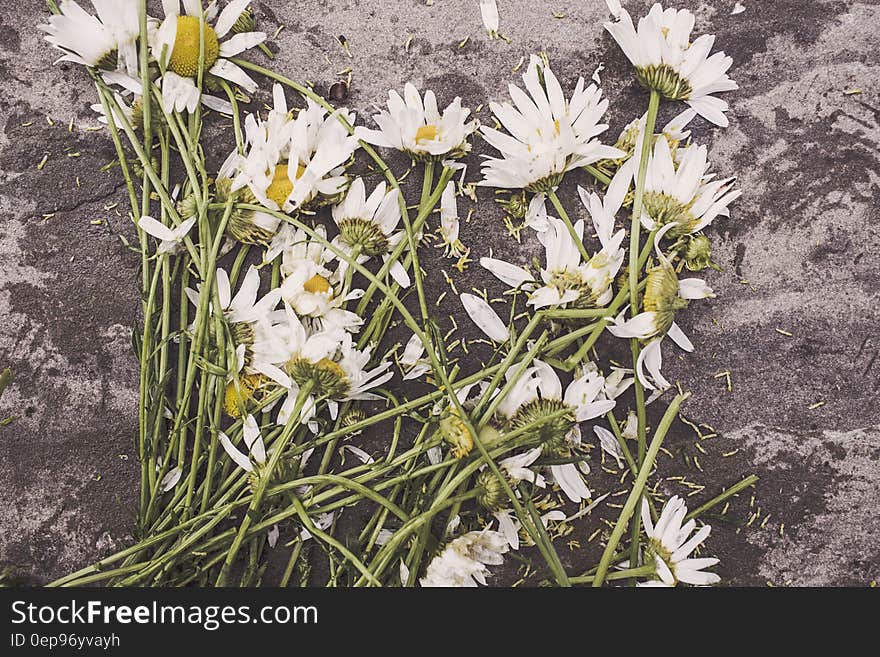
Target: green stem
x,y
751,480
567,221
638,486
642,571
634,272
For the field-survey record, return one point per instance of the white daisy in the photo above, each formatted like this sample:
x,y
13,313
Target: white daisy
x,y
664,295
416,127
310,286
515,469
538,394
681,190
176,44
669,546
369,225
548,135
667,61
540,383
257,337
463,561
291,163
106,42
337,370
566,279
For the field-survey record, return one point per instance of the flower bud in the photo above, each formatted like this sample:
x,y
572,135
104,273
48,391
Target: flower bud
x,y
698,254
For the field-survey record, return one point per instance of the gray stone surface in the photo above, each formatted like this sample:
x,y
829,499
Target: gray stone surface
x,y
800,254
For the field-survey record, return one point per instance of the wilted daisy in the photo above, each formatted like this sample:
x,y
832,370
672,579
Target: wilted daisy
x,y
682,191
537,395
309,285
548,135
669,546
566,281
494,498
293,163
630,140
368,225
106,42
664,295
416,127
330,362
668,62
255,334
463,561
177,41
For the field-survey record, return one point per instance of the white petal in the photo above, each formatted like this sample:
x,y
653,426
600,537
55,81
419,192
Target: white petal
x,y
155,228
240,459
485,317
505,272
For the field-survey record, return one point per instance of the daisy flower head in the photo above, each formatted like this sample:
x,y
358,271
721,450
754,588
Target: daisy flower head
x,y
414,125
570,281
547,135
106,41
566,280
368,225
670,543
255,335
667,62
630,139
680,190
464,561
537,396
310,286
293,163
330,362
494,498
177,42
664,295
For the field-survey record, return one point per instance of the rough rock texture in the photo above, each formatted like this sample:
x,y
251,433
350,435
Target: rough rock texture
x,y
800,256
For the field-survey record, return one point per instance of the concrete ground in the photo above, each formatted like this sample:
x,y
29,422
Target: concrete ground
x,y
794,324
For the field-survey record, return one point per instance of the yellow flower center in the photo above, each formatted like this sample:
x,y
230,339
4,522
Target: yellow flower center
x,y
184,58
317,284
281,186
331,366
426,133
235,399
